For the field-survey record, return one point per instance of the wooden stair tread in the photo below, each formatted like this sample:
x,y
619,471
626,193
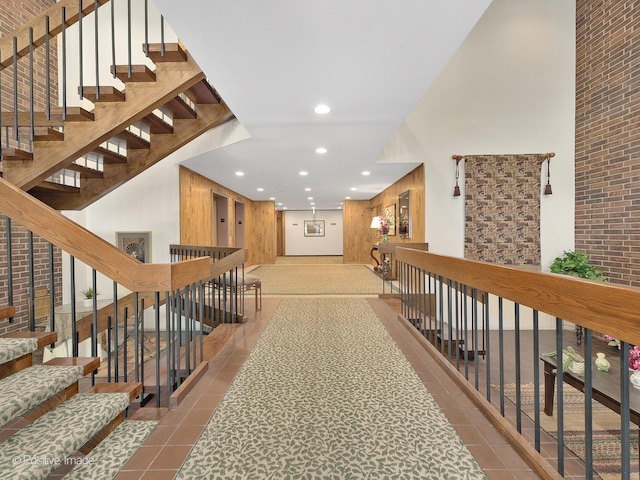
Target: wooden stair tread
x,y
203,93
7,312
133,141
179,109
109,156
157,125
134,389
107,94
74,114
16,154
89,364
139,73
41,134
54,187
85,172
44,338
173,52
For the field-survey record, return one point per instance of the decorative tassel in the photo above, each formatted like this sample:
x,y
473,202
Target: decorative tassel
x,y
456,189
547,188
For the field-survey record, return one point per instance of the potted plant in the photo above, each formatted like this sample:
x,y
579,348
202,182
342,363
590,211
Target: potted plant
x,y
87,296
576,264
571,360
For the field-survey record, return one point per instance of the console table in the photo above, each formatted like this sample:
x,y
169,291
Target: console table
x,y
605,387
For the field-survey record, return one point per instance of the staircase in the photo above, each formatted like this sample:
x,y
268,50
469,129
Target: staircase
x,y
47,426
69,157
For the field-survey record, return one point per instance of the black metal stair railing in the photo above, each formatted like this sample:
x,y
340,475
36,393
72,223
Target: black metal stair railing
x,y
494,324
151,337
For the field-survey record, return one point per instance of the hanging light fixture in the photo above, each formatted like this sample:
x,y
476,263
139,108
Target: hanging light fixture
x,y
456,189
547,188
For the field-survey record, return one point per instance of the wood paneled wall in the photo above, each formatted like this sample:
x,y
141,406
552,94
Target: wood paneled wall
x,y
358,237
197,214
414,183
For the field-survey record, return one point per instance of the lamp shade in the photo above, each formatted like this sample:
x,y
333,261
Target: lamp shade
x,y
376,222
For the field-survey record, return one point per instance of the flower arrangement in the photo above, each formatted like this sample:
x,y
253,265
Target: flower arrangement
x,y
385,225
634,352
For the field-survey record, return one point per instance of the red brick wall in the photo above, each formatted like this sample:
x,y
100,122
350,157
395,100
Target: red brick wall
x,y
14,13
608,136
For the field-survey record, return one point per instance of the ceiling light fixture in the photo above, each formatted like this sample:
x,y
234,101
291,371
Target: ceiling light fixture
x,y
240,174
322,109
307,189
303,173
365,173
309,198
353,189
321,150
260,189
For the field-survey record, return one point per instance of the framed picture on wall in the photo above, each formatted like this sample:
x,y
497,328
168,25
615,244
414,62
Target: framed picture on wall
x,y
390,215
135,244
314,228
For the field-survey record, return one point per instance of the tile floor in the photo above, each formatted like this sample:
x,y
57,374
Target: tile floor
x,y
165,450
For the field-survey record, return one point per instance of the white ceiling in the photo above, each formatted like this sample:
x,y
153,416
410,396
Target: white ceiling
x,y
273,61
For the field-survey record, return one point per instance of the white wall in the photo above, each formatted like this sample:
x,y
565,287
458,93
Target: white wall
x,y
149,202
510,88
297,244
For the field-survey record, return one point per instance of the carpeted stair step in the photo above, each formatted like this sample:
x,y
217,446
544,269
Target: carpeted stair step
x,y
49,384
16,349
38,449
106,460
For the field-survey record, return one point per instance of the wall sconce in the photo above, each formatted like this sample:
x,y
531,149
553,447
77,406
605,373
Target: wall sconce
x,y
456,189
547,188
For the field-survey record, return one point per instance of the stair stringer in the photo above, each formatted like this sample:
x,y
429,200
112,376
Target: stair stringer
x,y
172,78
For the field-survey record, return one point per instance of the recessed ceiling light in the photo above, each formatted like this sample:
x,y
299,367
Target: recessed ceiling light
x,y
280,203
284,208
312,203
260,189
353,189
347,198
365,173
321,150
240,174
309,198
272,198
303,173
322,109
307,189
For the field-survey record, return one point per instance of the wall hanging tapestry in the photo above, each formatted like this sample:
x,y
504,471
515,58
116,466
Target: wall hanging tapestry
x,y
502,208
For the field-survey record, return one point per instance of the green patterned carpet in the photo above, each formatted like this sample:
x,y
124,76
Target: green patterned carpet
x,y
327,394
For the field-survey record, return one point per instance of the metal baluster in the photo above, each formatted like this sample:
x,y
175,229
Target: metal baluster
x,y
125,348
52,291
501,351
487,342
113,39
32,284
96,37
136,342
74,333
116,359
536,378
516,307
157,337
80,51
15,89
169,345
9,263
588,404
109,329
129,67
64,63
474,332
560,396
625,444
47,80
465,319
31,107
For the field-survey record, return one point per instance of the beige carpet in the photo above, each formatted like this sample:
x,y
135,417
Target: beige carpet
x,y
310,260
318,280
606,429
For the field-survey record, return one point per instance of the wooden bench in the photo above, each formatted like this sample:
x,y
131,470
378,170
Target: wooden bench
x,y
605,387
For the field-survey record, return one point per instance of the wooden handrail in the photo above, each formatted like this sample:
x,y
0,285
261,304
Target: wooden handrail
x,y
39,31
599,306
102,255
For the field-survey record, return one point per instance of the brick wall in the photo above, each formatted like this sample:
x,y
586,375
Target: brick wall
x,y
608,136
14,13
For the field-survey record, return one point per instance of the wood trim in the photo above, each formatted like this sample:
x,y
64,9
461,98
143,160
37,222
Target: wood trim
x,y
38,25
7,312
599,306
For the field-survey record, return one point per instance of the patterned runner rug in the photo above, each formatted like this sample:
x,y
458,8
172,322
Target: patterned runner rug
x,y
318,280
606,429
327,394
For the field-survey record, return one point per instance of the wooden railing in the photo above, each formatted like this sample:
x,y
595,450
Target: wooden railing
x,y
491,325
174,301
